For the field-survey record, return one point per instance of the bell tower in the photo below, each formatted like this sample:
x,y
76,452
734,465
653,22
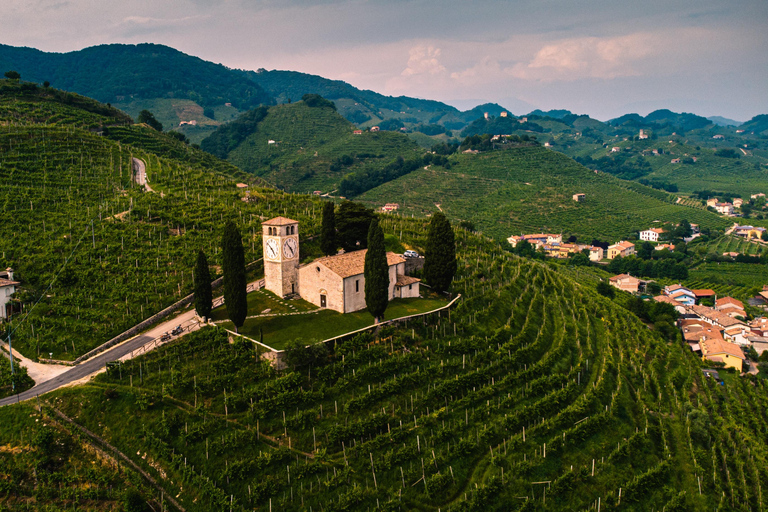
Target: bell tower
x,y
280,238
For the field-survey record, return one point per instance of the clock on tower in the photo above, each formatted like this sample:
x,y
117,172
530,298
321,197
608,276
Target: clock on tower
x,y
281,256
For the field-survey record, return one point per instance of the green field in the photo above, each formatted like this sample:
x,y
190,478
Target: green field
x,y
529,189
277,331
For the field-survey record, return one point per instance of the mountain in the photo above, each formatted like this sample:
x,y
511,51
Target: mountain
x,y
554,114
662,119
174,86
299,147
723,121
758,124
363,107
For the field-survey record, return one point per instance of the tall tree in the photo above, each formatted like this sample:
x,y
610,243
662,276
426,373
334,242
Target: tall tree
x,y
328,233
233,267
203,291
147,117
440,254
376,272
353,220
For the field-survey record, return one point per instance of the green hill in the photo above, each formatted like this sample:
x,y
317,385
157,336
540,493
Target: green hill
x,y
311,148
526,189
175,86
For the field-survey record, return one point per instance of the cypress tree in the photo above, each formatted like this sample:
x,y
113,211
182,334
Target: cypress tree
x,y
233,267
440,254
328,233
376,272
203,291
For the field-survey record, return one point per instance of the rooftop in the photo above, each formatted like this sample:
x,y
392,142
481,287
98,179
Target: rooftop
x,y
280,221
352,263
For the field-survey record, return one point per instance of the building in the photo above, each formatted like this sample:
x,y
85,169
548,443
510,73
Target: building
x,y
712,201
737,202
579,197
357,132
721,351
625,282
675,161
724,208
615,149
622,249
704,293
642,135
596,253
503,114
680,294
7,289
668,300
757,196
661,247
730,306
390,207
718,137
759,326
749,232
651,235
536,239
334,282
375,128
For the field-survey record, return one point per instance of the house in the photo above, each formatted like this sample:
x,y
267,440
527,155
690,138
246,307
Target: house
x,y
669,300
724,208
503,114
718,318
622,249
547,145
704,293
642,135
680,294
193,122
759,343
757,196
675,161
695,229
270,141
357,132
241,185
661,247
334,282
731,254
7,289
749,232
625,282
712,201
596,253
737,202
759,326
730,306
718,137
375,128
651,235
536,239
317,193
721,351
390,207
579,197
615,149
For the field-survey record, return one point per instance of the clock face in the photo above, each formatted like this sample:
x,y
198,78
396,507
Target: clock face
x,y
289,248
271,249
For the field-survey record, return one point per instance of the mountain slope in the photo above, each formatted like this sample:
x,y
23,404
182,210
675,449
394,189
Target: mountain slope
x,y
302,148
527,189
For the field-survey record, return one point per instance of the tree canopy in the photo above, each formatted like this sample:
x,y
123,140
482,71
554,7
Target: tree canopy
x,y
203,291
147,117
12,75
328,231
233,267
440,254
352,221
376,272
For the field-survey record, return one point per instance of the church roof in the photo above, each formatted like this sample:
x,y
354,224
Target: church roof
x,y
353,263
280,221
406,280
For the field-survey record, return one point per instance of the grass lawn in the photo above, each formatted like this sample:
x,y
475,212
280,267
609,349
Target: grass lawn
x,y
263,299
324,324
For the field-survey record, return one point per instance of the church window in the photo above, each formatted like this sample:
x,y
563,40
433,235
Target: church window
x,y
357,285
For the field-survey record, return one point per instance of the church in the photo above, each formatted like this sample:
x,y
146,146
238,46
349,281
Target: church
x,y
335,282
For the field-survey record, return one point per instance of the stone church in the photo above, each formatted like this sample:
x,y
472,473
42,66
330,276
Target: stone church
x,y
334,282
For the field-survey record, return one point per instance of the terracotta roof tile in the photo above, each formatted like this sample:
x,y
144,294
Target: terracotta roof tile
x,y
280,221
352,263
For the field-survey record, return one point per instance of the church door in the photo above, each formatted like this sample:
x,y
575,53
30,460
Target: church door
x,y
322,301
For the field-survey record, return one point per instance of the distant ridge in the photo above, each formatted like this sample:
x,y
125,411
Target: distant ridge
x,y
724,121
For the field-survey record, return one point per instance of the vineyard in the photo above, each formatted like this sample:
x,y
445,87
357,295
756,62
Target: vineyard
x,y
516,191
533,394
99,252
731,243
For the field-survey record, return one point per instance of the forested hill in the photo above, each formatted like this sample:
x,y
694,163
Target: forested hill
x,y
366,107
307,145
117,73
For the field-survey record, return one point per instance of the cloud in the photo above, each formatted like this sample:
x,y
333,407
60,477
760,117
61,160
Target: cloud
x,y
587,57
423,60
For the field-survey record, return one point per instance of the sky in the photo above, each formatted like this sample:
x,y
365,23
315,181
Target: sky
x,y
603,58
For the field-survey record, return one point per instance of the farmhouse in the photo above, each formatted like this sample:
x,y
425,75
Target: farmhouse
x,y
719,350
390,207
579,197
737,202
7,289
334,282
724,208
596,253
712,201
749,232
651,235
625,282
622,249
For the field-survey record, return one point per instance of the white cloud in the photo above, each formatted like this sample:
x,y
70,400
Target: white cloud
x,y
423,60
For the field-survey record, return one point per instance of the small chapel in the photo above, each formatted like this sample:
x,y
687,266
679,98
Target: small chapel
x,y
335,282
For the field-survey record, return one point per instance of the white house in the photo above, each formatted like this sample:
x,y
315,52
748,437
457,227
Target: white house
x,y
651,235
724,208
7,289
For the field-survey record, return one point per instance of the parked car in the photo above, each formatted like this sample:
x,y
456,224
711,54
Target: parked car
x,y
410,254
